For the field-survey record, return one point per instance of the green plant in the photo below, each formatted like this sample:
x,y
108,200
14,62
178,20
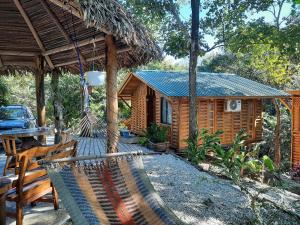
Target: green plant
x,y
239,161
192,152
196,152
157,134
143,141
3,92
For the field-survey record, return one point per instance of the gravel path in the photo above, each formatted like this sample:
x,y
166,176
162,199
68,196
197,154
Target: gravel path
x,y
196,197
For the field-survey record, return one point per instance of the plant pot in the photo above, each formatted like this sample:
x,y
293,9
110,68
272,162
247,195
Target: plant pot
x,y
160,147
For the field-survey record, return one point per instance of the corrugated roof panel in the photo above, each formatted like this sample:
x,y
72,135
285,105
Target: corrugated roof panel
x,y
208,85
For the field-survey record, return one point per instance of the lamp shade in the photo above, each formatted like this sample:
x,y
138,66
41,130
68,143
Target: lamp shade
x,y
95,78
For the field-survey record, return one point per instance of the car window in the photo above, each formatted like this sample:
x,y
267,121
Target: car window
x,y
12,114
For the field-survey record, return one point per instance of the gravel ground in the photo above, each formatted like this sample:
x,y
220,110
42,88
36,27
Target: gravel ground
x,y
194,196
199,198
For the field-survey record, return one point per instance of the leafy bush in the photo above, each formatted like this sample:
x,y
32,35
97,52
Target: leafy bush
x,y
236,162
3,92
267,145
239,161
196,152
156,134
143,141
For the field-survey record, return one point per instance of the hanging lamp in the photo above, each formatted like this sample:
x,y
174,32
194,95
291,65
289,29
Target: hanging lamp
x,y
95,77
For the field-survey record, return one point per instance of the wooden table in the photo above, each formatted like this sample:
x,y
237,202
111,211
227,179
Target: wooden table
x,y
5,185
27,135
23,133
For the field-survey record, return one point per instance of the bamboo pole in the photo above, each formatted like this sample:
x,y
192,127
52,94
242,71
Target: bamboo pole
x,y
40,95
112,94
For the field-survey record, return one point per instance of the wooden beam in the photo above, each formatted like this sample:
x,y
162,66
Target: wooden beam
x,y
76,11
69,7
33,31
125,102
57,106
18,53
59,26
1,62
92,58
112,94
286,103
19,63
72,46
40,94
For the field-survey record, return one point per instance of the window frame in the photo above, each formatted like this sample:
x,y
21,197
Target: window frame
x,y
165,108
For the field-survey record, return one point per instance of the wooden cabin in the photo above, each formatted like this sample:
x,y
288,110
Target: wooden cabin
x,y
225,102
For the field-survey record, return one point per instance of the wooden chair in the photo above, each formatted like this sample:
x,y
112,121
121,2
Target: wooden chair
x,y
11,152
33,184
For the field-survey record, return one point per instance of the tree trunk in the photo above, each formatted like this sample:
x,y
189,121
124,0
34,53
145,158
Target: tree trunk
x,y
40,96
194,50
57,106
277,138
112,94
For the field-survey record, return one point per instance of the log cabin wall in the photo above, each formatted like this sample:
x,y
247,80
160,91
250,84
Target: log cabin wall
x,y
295,157
211,115
138,110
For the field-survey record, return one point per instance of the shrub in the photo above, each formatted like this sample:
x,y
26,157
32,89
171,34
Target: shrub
x,y
156,134
196,152
143,141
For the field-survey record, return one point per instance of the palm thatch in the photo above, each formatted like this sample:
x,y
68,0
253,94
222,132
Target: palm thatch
x,y
30,29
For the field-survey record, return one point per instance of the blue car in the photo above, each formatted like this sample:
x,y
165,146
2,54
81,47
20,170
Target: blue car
x,y
16,117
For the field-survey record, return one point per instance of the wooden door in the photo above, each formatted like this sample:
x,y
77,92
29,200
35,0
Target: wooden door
x,y
150,109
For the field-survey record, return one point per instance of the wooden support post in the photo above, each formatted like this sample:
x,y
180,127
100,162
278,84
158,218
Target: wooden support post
x,y
40,95
112,94
277,138
57,106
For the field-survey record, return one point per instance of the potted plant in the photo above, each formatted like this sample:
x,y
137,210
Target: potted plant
x,y
157,137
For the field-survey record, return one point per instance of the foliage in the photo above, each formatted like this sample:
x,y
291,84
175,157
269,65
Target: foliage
x,y
3,92
235,161
269,123
124,110
156,134
166,65
196,152
143,141
22,90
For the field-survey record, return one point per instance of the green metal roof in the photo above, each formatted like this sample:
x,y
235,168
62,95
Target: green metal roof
x,y
208,85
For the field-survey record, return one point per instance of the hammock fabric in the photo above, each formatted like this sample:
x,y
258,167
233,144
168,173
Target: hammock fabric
x,y
110,191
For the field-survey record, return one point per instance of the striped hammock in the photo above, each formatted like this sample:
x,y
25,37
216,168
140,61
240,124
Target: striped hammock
x,y
111,191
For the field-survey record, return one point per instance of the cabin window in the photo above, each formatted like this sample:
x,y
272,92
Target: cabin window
x,y
166,111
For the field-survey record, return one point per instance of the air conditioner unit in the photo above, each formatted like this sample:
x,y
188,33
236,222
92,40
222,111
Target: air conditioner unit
x,y
234,105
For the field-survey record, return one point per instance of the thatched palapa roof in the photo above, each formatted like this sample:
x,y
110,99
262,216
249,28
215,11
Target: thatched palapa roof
x,y
48,28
